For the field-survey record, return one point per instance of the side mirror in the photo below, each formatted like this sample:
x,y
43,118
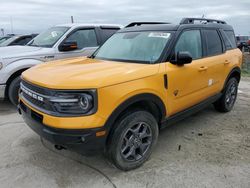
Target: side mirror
x,y
182,58
68,46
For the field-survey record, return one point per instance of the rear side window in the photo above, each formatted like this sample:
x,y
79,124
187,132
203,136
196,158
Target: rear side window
x,y
213,42
190,41
230,39
106,33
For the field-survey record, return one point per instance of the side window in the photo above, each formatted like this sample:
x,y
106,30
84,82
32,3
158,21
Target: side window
x,y
84,38
190,41
226,40
20,41
213,42
230,35
106,33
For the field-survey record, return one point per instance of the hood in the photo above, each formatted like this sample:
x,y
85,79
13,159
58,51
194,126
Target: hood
x,y
83,73
21,51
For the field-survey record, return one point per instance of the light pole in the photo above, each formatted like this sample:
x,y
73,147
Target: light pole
x,y
11,25
2,31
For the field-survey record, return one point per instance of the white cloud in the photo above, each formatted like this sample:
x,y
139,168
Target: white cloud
x,y
37,15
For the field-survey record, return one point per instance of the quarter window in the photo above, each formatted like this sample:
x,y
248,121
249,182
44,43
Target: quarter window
x,y
83,38
190,41
213,42
231,38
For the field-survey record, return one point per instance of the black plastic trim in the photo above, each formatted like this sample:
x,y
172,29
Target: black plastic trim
x,y
137,98
189,111
83,141
52,92
165,76
235,69
191,20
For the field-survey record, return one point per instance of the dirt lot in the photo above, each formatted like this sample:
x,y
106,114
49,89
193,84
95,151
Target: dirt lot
x,y
209,149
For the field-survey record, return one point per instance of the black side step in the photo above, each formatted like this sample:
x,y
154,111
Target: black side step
x,y
192,110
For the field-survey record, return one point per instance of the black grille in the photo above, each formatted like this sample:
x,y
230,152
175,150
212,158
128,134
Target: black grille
x,y
34,101
37,89
44,105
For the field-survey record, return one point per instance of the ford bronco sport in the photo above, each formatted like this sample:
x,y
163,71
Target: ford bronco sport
x,y
59,42
143,78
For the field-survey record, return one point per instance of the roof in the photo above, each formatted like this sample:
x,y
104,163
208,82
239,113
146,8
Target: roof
x,y
89,25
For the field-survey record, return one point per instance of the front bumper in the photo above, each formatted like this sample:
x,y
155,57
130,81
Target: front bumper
x,y
2,91
82,141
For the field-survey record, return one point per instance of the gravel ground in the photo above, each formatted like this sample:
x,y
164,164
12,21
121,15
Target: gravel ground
x,y
208,149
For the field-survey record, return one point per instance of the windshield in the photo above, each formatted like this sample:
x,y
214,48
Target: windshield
x,y
8,41
144,47
48,38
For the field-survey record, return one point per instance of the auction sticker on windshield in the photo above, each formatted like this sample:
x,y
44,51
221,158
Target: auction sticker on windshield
x,y
161,35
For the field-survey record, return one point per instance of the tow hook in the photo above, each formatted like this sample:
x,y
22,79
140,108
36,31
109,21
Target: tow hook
x,y
19,110
58,147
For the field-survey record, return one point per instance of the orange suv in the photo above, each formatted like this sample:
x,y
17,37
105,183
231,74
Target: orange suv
x,y
145,77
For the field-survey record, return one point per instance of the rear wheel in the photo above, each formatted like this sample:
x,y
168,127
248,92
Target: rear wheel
x,y
227,100
133,140
13,90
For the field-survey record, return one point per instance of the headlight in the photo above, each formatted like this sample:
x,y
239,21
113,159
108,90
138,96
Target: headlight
x,y
74,103
1,65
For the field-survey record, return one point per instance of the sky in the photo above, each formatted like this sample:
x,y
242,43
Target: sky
x,y
34,16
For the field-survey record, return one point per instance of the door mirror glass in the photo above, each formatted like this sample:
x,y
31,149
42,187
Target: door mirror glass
x,y
182,58
68,46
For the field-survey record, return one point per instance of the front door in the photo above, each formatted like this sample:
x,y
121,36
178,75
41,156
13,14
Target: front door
x,y
187,83
86,40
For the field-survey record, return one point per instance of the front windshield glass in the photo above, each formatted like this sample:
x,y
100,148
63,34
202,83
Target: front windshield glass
x,y
140,47
48,38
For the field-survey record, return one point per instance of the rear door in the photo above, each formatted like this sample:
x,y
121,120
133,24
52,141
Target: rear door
x,y
214,60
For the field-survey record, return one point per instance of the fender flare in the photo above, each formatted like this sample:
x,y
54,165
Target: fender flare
x,y
236,70
132,100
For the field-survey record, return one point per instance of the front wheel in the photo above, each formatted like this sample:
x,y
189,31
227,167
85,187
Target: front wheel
x,y
13,90
227,100
133,140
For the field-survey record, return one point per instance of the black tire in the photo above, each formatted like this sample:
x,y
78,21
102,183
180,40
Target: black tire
x,y
13,90
125,136
228,98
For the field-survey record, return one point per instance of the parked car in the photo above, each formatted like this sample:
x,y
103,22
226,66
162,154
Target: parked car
x,y
62,41
2,39
243,41
17,40
140,80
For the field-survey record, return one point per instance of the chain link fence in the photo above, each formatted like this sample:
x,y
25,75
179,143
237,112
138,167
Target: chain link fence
x,y
246,64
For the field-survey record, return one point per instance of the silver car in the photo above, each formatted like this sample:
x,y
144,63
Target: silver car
x,y
61,41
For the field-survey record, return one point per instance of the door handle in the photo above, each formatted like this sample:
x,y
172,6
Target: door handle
x,y
226,62
203,68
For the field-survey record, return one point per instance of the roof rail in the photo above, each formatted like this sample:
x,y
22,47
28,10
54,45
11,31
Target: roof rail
x,y
145,23
191,20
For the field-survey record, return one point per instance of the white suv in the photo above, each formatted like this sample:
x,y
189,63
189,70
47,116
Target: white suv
x,y
61,41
